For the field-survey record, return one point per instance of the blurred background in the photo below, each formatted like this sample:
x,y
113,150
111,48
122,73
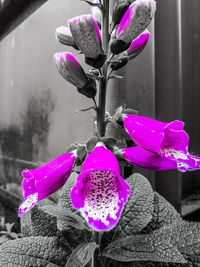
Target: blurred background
x,y
37,106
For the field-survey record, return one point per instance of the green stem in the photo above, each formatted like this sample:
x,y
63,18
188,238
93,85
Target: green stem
x,y
101,125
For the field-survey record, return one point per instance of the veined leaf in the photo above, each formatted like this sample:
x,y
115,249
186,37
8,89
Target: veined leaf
x,y
81,255
154,248
35,251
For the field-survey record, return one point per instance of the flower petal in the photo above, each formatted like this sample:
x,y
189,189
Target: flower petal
x,y
147,160
100,191
99,196
145,132
175,138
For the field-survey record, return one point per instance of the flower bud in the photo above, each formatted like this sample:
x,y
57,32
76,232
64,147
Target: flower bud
x,y
72,71
138,44
87,36
64,36
134,22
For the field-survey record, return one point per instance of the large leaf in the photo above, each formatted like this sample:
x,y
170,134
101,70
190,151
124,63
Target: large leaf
x,y
26,227
74,236
186,237
139,208
65,200
42,223
153,247
164,214
66,217
81,255
35,251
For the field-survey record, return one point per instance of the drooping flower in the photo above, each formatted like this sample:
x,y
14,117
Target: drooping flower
x,y
43,181
134,50
162,145
72,71
87,37
64,36
134,22
100,191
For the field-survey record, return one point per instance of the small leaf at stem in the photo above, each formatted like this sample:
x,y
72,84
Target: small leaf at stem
x,y
81,255
92,4
91,143
85,109
115,77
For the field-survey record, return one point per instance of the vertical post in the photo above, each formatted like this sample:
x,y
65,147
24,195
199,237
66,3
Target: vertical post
x,y
168,82
191,85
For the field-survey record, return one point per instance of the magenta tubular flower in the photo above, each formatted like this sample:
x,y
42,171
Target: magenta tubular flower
x,y
64,36
134,22
87,37
72,71
43,181
162,145
100,191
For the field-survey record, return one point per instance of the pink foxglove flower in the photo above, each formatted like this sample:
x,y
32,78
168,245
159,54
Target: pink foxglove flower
x,y
64,36
43,181
134,22
100,191
162,145
72,71
87,37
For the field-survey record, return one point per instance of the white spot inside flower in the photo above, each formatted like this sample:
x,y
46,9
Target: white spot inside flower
x,y
103,198
28,203
174,153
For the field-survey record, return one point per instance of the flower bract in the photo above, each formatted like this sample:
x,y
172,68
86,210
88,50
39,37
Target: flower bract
x,y
100,191
162,145
43,181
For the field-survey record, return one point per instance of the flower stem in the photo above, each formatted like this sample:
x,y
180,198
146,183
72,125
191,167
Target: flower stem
x,y
101,125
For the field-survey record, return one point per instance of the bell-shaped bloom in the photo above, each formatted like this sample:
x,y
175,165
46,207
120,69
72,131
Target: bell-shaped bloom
x,y
162,145
43,181
134,50
87,37
134,22
64,36
72,71
100,191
